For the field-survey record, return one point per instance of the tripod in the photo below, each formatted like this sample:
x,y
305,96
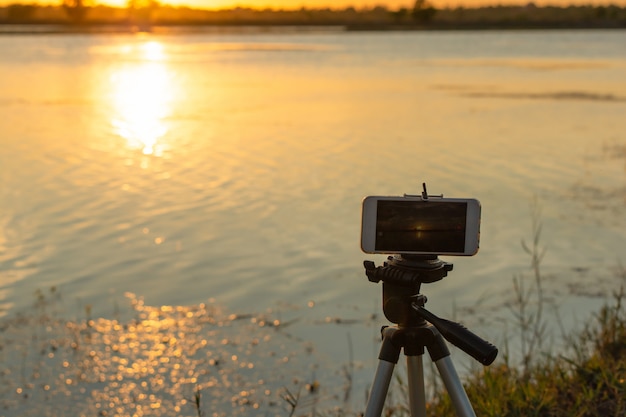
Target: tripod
x,y
416,328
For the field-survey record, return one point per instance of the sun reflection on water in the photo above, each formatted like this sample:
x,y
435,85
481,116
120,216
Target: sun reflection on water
x,y
142,96
165,361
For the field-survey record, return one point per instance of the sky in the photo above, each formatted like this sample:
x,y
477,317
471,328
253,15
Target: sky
x,y
337,4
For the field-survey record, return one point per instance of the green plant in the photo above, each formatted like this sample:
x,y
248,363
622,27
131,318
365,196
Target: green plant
x,y
589,382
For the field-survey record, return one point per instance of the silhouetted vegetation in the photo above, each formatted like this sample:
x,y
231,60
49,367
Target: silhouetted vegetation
x,y
423,15
423,11
75,10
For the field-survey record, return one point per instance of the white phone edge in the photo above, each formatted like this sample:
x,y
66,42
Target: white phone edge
x,y
368,223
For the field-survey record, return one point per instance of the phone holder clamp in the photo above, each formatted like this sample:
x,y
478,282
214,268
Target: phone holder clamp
x,y
425,196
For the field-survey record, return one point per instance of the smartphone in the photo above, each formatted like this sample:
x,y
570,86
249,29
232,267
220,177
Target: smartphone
x,y
414,225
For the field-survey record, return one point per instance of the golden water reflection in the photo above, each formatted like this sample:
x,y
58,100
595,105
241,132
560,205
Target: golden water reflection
x,y
165,361
142,95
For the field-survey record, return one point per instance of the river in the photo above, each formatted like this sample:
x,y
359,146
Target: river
x,y
229,167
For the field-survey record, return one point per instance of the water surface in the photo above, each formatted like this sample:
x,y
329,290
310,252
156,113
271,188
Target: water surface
x,y
232,166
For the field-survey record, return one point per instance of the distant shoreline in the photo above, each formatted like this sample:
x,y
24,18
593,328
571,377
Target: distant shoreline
x,y
29,19
279,27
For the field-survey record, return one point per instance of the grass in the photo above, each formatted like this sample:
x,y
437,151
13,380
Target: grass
x,y
590,380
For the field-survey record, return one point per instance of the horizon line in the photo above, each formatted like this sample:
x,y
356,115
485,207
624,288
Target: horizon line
x,y
495,4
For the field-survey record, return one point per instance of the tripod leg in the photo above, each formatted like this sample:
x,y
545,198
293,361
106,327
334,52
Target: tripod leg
x,y
417,390
379,389
387,360
454,387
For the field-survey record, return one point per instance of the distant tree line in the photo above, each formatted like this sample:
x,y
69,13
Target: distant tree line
x,y
423,15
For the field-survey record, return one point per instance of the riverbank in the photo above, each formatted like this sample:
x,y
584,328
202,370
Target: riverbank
x,y
49,19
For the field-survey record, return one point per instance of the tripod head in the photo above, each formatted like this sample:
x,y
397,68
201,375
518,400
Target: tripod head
x,y
402,277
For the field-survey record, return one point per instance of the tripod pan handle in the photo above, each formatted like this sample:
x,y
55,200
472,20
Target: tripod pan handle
x,y
457,334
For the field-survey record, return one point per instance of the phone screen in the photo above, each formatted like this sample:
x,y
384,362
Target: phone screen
x,y
419,226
